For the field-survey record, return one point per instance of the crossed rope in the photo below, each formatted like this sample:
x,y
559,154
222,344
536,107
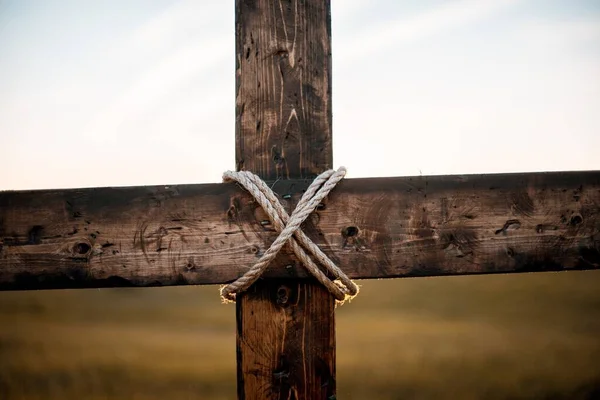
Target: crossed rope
x,y
342,288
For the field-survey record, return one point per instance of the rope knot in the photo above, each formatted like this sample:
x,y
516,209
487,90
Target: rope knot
x,y
288,226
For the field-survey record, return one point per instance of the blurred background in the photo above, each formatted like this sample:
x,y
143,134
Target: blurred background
x,y
136,92
526,336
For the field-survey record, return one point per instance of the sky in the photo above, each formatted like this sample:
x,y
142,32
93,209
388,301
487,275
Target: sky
x,y
142,92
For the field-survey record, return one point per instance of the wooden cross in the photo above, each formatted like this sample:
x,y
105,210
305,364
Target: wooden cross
x,y
373,228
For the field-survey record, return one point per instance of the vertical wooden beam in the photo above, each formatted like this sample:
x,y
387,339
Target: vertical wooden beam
x,y
285,329
283,82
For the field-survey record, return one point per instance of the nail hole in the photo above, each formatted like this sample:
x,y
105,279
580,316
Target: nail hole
x,y
349,231
576,219
254,249
283,295
81,248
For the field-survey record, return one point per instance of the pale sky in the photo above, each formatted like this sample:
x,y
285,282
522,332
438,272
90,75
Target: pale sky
x,y
138,92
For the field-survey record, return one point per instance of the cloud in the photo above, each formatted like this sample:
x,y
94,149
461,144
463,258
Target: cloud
x,y
346,9
183,45
520,97
580,34
185,21
439,19
156,105
157,100
151,90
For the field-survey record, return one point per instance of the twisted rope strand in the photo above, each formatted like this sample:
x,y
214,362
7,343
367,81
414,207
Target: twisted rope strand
x,y
291,233
348,287
228,292
247,179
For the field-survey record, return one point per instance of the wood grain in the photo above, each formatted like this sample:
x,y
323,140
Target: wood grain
x,y
373,228
283,131
283,87
294,357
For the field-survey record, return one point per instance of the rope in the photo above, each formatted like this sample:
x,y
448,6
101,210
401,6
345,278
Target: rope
x,y
342,288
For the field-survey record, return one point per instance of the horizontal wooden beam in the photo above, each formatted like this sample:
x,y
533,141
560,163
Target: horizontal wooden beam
x,y
373,228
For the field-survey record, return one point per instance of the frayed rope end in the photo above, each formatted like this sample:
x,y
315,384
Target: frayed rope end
x,y
349,297
226,298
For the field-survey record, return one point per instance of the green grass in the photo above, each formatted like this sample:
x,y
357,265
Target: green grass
x,y
478,337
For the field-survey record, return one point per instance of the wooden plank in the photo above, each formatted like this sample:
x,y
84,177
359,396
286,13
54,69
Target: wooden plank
x,y
285,348
283,86
373,228
286,341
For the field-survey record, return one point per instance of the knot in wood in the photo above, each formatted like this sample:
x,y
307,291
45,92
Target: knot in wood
x,y
288,226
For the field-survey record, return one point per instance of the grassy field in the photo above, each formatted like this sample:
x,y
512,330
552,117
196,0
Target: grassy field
x,y
479,337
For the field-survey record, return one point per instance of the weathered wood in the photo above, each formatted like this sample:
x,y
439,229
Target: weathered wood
x,y
283,86
285,349
373,228
386,227
290,327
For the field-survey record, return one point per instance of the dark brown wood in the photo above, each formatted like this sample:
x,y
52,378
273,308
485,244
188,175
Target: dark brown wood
x,y
285,350
373,228
283,87
287,334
